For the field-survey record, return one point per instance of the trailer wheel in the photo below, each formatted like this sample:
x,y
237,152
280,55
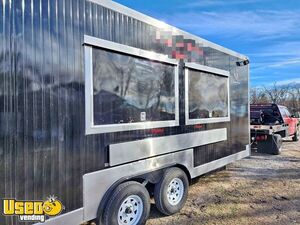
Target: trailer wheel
x,y
129,204
171,192
296,135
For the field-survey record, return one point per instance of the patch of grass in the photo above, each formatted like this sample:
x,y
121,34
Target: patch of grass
x,y
222,210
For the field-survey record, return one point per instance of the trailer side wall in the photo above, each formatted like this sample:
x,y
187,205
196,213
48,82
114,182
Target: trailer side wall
x,y
44,149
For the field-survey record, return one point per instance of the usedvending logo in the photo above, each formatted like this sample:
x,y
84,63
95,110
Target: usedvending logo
x,y
29,211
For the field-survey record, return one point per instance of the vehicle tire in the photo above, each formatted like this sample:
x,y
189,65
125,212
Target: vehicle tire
x,y
277,144
129,204
272,145
296,135
170,193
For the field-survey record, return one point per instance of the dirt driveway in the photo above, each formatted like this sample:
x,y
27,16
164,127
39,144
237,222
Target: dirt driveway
x,y
261,189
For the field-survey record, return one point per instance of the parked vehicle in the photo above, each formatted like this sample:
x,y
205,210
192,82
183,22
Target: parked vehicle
x,y
269,124
100,104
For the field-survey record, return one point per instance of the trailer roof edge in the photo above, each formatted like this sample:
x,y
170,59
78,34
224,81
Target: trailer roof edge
x,y
155,22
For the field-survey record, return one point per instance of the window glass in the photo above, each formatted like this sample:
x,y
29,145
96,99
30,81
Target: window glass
x,y
282,111
129,89
208,95
288,114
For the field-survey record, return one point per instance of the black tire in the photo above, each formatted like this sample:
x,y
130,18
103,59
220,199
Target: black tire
x,y
119,195
277,144
296,135
161,191
272,145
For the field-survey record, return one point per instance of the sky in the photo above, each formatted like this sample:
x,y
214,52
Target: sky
x,y
267,31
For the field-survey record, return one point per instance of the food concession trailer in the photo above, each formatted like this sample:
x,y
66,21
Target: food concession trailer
x,y
103,106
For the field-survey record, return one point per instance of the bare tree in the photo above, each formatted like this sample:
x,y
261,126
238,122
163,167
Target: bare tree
x,y
293,101
276,94
258,96
287,95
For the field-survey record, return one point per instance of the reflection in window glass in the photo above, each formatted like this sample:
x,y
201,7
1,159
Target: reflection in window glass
x,y
208,95
128,89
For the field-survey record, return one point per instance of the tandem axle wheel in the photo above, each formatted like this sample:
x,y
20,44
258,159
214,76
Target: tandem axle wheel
x,y
129,202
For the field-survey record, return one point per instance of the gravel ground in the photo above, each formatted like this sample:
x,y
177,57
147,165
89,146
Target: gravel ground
x,y
261,189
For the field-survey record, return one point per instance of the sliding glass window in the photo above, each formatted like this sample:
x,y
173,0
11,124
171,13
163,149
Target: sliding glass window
x,y
128,88
206,94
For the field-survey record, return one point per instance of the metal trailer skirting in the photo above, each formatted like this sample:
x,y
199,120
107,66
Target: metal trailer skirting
x,y
72,218
131,151
97,183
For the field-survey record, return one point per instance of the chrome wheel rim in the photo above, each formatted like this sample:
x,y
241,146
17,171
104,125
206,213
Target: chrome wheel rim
x,y
130,211
175,191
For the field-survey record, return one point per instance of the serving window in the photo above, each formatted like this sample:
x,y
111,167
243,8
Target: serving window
x,y
206,94
128,88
